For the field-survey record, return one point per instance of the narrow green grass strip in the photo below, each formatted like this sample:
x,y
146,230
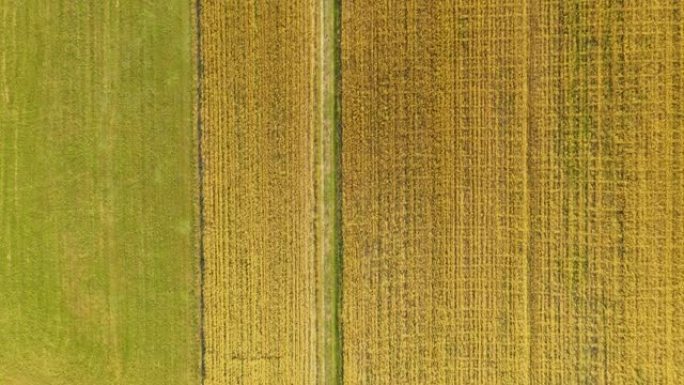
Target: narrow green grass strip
x,y
332,198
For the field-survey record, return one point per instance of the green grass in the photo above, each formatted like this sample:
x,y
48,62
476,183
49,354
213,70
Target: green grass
x,y
332,210
98,260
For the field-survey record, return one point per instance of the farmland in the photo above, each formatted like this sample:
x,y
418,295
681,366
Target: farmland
x,y
98,254
606,183
341,192
434,193
512,188
266,114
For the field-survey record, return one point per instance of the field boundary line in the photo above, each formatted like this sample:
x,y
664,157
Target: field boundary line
x,y
199,78
330,197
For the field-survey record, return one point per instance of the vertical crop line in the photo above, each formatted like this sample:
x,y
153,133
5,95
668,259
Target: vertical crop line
x,y
330,204
530,116
200,175
339,244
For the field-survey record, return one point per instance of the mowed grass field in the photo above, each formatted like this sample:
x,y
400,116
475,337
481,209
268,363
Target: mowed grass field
x,y
98,251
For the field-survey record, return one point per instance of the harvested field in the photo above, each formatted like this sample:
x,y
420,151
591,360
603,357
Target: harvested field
x,y
98,260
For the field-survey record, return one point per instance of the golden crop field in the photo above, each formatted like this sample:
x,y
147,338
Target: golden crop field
x,y
606,172
513,176
267,114
434,114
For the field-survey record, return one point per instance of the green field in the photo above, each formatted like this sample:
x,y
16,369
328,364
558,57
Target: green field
x,y
98,260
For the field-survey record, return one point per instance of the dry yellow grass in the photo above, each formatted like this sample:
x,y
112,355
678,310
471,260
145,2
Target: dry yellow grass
x,y
269,195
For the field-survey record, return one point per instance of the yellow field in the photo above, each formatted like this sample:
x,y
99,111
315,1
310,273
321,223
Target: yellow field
x,y
607,191
434,111
512,179
267,125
